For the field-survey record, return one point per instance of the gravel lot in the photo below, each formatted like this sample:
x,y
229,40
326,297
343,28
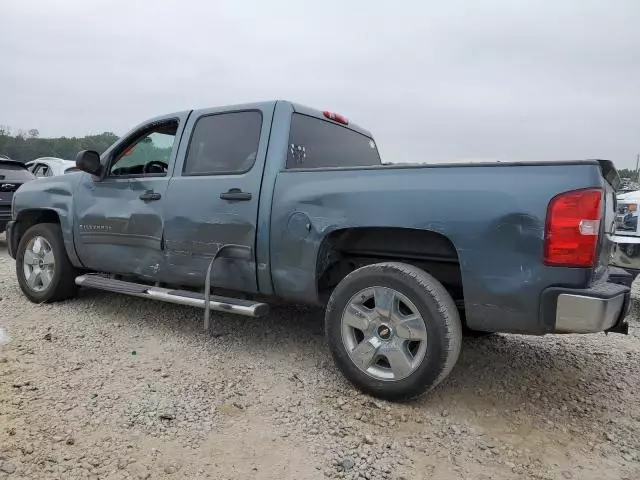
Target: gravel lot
x,y
112,387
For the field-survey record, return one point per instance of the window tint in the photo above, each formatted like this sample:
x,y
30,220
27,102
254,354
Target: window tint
x,y
224,143
149,153
315,143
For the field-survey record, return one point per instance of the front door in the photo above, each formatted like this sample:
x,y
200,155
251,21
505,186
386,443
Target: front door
x,y
119,217
213,196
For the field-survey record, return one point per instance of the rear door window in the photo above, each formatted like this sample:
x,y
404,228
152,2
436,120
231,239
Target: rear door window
x,y
316,143
224,143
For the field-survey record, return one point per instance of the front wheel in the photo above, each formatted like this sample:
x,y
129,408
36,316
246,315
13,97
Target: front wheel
x,y
44,271
393,330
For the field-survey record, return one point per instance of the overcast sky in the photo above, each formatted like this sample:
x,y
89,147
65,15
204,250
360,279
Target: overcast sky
x,y
433,80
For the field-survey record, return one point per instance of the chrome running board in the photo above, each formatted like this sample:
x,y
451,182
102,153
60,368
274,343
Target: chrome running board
x,y
238,306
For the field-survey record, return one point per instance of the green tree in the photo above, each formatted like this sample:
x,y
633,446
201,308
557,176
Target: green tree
x,y
626,173
29,146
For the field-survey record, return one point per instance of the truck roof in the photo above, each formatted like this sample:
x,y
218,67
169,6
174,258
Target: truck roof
x,y
296,107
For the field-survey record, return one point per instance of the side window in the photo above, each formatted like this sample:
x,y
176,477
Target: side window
x,y
148,153
315,143
42,170
224,143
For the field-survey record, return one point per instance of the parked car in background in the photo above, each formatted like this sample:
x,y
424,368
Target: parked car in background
x,y
51,166
626,250
296,204
12,175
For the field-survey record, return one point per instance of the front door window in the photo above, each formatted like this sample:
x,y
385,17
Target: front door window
x,y
146,155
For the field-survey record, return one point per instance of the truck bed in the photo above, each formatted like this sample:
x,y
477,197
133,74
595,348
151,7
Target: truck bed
x,y
493,214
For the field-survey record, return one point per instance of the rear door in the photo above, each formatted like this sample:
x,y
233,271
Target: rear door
x,y
213,196
119,218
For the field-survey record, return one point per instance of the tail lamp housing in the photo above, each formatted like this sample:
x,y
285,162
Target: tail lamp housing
x,y
572,228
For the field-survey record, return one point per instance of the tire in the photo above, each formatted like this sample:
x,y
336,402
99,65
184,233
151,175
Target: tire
x,y
435,322
61,276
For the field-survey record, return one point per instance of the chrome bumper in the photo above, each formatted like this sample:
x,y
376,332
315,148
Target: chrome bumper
x,y
586,314
626,255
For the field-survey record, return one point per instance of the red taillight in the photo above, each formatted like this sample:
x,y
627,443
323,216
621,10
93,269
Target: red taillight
x,y
573,225
336,118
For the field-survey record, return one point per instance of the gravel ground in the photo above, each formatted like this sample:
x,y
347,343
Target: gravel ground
x,y
111,387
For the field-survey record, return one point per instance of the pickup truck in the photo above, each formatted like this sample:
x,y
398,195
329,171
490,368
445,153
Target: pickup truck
x,y
279,201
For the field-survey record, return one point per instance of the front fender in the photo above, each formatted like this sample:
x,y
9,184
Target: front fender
x,y
39,200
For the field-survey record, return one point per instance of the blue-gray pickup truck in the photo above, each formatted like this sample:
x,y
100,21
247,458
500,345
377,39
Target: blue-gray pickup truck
x,y
276,200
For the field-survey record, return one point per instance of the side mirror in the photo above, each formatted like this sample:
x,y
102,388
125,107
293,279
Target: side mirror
x,y
89,161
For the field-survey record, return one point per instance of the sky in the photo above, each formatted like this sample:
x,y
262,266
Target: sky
x,y
434,81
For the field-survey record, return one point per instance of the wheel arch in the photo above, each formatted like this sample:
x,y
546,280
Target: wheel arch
x,y
344,250
27,218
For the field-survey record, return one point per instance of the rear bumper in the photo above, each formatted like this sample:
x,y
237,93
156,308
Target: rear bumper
x,y
626,255
598,309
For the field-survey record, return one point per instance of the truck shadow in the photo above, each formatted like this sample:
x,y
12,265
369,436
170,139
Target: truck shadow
x,y
562,379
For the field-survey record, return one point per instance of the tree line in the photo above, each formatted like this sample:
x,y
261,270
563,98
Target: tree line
x,y
27,145
627,173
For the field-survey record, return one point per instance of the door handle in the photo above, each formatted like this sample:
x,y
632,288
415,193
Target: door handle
x,y
149,196
235,194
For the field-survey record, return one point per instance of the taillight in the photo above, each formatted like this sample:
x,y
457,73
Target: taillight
x,y
573,225
336,118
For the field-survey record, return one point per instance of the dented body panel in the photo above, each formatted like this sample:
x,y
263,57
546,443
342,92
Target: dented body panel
x,y
198,221
493,215
496,225
51,194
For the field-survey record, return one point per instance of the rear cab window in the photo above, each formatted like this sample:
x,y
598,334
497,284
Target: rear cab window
x,y
317,143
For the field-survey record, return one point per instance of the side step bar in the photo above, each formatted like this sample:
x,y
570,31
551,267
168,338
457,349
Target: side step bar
x,y
181,297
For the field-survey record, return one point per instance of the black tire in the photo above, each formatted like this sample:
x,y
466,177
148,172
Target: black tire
x,y
437,309
62,284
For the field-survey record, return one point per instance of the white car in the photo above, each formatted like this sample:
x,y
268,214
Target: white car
x,y
626,248
51,166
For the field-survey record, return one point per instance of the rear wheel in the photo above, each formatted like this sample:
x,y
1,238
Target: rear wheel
x,y
393,330
44,271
